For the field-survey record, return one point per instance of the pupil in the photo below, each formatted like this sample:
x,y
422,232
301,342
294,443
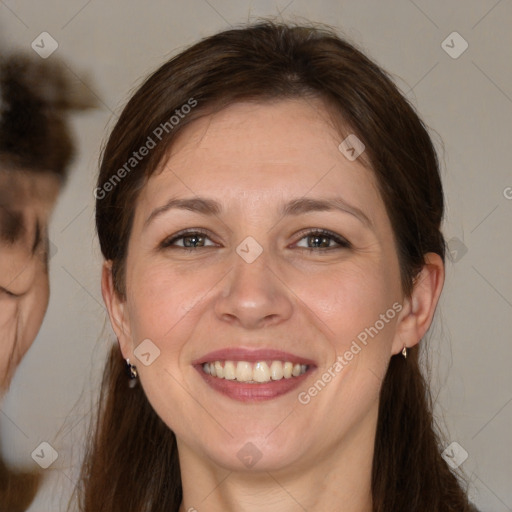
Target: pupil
x,y
192,241
320,240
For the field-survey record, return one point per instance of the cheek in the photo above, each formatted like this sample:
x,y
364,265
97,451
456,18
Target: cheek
x,y
360,310
349,301
355,304
162,301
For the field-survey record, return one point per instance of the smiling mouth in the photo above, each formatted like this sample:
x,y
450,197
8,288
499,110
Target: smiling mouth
x,y
249,375
257,372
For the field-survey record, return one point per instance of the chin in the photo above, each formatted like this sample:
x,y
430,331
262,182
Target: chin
x,y
256,453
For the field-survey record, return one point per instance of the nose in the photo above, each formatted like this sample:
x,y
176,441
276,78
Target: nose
x,y
254,295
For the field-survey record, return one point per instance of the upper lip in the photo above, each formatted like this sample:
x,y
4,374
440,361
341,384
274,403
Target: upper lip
x,y
252,356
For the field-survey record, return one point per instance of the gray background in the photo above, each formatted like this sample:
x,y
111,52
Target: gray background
x,y
467,103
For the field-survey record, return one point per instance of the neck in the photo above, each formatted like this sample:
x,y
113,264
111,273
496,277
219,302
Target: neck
x,y
339,479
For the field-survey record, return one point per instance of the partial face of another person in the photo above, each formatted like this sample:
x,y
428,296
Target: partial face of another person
x,y
258,246
26,201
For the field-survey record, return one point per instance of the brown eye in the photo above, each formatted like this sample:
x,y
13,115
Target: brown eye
x,y
322,239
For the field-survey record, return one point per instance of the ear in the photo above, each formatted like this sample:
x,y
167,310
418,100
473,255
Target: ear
x,y
418,310
116,307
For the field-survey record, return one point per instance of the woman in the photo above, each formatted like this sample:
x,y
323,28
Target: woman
x,y
36,150
269,210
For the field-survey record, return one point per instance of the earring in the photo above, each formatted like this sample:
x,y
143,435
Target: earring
x,y
131,369
404,352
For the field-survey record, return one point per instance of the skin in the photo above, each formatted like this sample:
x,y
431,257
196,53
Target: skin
x,y
24,287
252,158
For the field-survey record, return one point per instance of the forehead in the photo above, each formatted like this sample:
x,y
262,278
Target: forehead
x,y
288,146
276,131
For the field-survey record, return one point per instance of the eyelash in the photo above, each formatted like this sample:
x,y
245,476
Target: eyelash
x,y
342,242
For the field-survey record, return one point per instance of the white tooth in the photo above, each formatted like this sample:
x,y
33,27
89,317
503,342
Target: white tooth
x,y
261,372
219,371
243,371
229,370
276,370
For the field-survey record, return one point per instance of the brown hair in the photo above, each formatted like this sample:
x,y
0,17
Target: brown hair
x,y
132,459
35,98
17,488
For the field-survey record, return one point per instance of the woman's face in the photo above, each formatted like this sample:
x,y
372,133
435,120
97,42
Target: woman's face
x,y
26,200
288,258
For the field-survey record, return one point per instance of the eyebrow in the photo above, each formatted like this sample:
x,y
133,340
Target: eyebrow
x,y
297,206
306,205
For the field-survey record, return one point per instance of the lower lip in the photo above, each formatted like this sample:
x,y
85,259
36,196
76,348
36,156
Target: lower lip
x,y
244,392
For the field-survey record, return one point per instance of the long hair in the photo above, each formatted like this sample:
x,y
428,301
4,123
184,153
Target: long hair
x,y
132,458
